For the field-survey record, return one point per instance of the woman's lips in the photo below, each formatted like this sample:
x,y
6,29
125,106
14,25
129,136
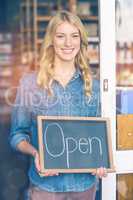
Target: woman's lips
x,y
67,51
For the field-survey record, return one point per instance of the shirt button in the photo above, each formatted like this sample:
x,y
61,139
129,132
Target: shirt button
x,y
66,97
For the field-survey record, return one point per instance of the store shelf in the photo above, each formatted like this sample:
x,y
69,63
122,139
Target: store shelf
x,y
5,72
43,18
89,18
32,30
93,39
124,88
32,4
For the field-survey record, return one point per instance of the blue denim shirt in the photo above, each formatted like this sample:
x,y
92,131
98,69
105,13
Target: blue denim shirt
x,y
31,101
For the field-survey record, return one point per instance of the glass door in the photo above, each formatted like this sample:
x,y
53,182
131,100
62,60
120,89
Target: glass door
x,y
107,78
116,72
124,98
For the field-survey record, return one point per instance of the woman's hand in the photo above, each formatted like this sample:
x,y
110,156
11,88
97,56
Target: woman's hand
x,y
37,161
100,172
51,173
38,166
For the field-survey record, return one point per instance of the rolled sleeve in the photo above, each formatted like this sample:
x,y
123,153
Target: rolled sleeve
x,y
20,116
17,138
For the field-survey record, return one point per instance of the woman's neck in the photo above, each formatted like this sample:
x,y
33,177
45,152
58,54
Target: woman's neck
x,y
64,68
63,72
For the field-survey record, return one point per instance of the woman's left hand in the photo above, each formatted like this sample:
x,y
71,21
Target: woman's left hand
x,y
100,172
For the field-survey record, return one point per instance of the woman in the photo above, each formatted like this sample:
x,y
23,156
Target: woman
x,y
62,86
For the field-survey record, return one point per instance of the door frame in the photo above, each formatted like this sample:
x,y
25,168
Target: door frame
x,y
123,160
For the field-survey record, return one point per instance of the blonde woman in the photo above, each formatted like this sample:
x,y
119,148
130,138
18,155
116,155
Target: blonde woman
x,y
62,86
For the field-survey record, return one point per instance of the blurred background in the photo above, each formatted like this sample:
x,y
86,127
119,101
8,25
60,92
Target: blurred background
x,y
13,166
124,91
22,27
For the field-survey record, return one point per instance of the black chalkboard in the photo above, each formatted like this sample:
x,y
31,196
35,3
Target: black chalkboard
x,y
74,144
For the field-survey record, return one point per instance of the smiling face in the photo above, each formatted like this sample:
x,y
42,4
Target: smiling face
x,y
66,42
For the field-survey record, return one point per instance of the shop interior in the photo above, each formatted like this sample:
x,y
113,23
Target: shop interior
x,y
22,28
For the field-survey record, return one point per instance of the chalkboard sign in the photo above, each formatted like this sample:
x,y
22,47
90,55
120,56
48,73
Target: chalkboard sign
x,y
74,144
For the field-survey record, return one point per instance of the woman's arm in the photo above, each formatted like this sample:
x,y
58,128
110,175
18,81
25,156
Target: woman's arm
x,y
21,122
25,147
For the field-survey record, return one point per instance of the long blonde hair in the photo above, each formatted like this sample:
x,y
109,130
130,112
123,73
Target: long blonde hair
x,y
46,62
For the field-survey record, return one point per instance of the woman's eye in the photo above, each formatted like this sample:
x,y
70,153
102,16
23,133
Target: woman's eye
x,y
75,36
59,36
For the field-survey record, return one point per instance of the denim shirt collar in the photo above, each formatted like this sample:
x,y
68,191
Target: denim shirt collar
x,y
76,74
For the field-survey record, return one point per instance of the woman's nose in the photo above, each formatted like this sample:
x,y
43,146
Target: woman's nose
x,y
68,41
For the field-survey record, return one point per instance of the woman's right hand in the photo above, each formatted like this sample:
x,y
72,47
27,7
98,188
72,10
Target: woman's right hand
x,y
38,166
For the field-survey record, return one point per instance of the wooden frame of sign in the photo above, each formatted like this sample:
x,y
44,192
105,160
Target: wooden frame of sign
x,y
62,147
